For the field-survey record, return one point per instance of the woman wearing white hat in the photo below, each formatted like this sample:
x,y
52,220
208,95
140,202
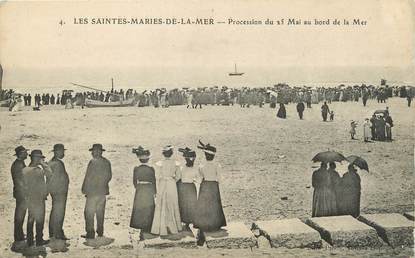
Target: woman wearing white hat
x,y
167,214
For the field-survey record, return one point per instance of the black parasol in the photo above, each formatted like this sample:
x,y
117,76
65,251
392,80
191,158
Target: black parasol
x,y
358,161
329,156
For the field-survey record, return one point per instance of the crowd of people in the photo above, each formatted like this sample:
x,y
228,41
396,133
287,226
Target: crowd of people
x,y
245,97
377,128
168,196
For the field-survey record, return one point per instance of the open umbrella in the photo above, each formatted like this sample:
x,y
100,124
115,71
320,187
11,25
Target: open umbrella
x,y
328,156
358,161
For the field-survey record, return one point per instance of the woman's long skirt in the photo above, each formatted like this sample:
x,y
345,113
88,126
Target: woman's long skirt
x,y
349,203
167,213
209,213
187,201
324,202
143,208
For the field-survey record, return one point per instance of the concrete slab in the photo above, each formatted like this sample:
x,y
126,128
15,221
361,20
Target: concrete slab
x,y
393,228
410,215
184,239
234,235
345,231
290,233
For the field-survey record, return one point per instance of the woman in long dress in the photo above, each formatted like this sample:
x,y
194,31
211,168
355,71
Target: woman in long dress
x,y
282,112
334,181
144,181
209,212
167,214
324,199
349,193
186,187
366,130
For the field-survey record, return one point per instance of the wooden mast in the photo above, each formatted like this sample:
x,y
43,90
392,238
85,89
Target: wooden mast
x,y
1,77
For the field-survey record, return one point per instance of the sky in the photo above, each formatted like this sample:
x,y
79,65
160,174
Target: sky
x,y
36,51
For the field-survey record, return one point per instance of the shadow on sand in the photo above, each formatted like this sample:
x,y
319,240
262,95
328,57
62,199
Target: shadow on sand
x,y
35,252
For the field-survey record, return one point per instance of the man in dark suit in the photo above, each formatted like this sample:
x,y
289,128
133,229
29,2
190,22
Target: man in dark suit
x,y
19,195
300,109
36,193
57,184
95,188
324,111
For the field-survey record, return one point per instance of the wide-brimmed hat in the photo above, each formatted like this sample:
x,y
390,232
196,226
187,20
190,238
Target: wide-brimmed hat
x,y
207,148
58,146
19,149
187,152
36,153
97,146
141,152
168,148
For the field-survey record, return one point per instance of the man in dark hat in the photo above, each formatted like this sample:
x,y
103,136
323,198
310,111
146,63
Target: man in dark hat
x,y
19,195
58,188
36,192
95,187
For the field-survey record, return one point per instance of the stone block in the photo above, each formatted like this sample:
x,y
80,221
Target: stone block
x,y
234,235
393,228
409,215
290,233
345,231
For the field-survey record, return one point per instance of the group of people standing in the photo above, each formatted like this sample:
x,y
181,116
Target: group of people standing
x,y
380,127
325,111
169,197
31,186
334,195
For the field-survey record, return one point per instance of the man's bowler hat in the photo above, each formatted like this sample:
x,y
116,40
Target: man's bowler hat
x,y
97,146
36,153
19,149
58,146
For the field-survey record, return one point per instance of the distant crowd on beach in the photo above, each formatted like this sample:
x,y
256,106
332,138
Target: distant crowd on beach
x,y
197,97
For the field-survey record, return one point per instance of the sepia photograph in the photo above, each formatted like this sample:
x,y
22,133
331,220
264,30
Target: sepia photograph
x,y
207,128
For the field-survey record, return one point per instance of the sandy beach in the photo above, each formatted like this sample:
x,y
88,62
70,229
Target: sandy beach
x,y
263,160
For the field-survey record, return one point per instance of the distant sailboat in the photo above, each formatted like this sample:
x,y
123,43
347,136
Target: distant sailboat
x,y
235,73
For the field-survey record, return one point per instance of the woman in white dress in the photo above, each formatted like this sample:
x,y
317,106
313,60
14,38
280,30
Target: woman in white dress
x,y
167,214
367,133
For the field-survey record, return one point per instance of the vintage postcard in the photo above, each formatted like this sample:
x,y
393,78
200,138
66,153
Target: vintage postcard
x,y
207,128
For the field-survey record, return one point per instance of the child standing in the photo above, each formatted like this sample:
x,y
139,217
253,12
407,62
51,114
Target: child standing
x,y
367,130
331,115
353,126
